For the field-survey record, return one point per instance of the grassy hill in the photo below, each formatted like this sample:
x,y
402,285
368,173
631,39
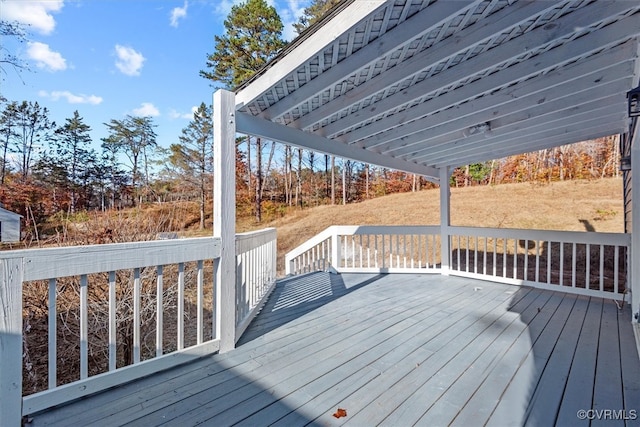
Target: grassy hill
x,y
569,205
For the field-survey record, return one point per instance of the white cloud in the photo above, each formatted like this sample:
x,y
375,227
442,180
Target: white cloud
x,y
129,61
36,14
46,58
174,114
178,13
146,109
71,98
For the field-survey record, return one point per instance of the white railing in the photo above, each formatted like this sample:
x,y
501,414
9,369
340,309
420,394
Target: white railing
x,y
368,249
583,262
255,274
116,312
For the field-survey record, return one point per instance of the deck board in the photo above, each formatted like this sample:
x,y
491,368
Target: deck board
x,y
393,350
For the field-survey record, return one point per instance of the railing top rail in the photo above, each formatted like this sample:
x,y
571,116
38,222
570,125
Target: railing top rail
x,y
49,263
580,237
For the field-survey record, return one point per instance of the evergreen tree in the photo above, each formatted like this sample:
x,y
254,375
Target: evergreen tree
x,y
71,151
193,156
253,36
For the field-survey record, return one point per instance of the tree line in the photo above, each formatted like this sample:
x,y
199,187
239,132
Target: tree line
x,y
48,169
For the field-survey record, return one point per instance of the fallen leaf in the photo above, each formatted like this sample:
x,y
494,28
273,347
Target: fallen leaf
x,y
340,413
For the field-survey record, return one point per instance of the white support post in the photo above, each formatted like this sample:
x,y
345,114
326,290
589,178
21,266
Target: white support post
x,y
445,220
633,258
224,215
11,342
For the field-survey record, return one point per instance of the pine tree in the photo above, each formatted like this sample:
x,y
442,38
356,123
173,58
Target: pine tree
x,y
193,156
253,36
73,153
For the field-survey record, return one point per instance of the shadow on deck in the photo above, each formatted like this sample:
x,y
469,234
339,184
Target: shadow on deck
x,y
396,350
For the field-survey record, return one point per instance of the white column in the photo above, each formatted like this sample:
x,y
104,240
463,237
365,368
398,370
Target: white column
x,y
634,258
224,215
445,220
11,341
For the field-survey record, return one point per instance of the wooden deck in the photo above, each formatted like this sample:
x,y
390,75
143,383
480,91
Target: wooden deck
x,y
396,350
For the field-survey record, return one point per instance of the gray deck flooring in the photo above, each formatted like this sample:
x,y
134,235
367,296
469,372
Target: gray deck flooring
x,y
396,350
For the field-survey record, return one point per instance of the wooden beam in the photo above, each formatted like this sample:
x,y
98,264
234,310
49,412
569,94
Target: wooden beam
x,y
583,76
509,51
307,49
594,131
224,216
275,132
421,23
522,136
553,115
469,37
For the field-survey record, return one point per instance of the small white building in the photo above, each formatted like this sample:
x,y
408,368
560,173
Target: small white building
x,y
9,226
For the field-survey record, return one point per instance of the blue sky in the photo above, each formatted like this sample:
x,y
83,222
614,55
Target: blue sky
x,y
110,58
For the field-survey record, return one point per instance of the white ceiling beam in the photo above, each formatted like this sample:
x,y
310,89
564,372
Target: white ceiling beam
x,y
528,128
251,125
462,41
535,108
581,117
565,26
307,49
419,24
595,70
599,130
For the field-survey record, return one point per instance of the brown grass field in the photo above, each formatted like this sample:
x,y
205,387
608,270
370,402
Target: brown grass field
x,y
570,205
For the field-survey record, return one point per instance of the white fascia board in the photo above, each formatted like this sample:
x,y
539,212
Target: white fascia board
x,y
310,47
268,130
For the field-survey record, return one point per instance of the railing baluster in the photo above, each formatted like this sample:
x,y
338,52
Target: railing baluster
x,y
537,260
602,267
84,336
159,310
466,253
515,258
504,257
495,256
549,256
53,331
616,261
561,273
526,260
587,279
200,301
136,315
475,255
573,265
113,331
484,254
180,317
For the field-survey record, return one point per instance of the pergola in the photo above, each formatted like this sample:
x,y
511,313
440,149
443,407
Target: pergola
x,y
424,86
